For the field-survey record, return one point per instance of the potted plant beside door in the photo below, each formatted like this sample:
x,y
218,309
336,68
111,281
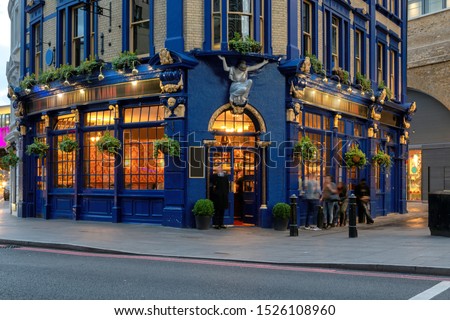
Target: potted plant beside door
x,y
203,211
281,213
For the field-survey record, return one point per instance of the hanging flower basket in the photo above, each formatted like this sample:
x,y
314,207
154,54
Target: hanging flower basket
x,y
108,144
37,148
9,160
306,149
381,159
68,145
355,158
167,146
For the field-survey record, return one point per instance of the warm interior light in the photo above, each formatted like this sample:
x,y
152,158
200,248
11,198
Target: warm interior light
x,y
134,83
60,95
82,91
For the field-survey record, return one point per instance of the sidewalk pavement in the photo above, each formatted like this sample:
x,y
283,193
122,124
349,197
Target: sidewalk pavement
x,y
395,243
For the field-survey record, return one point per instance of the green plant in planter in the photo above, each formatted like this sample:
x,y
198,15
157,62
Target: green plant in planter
x,y
316,64
10,159
108,144
203,207
125,60
281,211
66,71
355,158
88,66
244,45
68,145
38,148
306,149
48,76
382,159
28,82
382,86
343,75
363,81
167,146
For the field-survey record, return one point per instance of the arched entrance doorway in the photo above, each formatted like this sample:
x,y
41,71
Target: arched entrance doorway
x,y
235,147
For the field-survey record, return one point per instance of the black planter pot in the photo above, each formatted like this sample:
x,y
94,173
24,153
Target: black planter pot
x,y
280,224
203,222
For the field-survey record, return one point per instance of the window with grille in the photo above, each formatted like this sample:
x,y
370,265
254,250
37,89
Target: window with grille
x,y
65,122
98,167
64,164
99,118
142,171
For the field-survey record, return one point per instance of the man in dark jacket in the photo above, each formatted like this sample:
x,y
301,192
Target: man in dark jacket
x,y
219,195
362,193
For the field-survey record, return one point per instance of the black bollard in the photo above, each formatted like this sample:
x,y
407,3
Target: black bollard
x,y
352,231
293,228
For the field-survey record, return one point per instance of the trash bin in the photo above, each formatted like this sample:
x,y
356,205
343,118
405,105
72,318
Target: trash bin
x,y
438,213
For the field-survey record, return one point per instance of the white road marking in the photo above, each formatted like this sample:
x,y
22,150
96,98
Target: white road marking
x,y
433,291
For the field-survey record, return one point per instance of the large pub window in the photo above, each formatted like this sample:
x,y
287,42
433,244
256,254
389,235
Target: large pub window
x,y
142,170
98,167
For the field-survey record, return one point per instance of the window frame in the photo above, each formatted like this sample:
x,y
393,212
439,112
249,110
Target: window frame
x,y
75,37
380,63
307,36
359,52
335,32
135,24
37,48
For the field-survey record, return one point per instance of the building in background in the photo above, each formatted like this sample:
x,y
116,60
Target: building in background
x,y
8,126
244,111
428,85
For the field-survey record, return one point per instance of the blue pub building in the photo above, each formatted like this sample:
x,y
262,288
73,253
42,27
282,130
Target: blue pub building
x,y
333,71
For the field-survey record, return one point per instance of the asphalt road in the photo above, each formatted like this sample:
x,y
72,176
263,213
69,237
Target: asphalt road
x,y
33,273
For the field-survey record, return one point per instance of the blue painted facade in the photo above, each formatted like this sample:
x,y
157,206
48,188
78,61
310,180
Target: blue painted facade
x,y
278,114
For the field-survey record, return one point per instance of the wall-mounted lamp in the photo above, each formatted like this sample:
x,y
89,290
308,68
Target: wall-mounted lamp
x,y
66,82
372,97
134,71
101,76
339,85
325,79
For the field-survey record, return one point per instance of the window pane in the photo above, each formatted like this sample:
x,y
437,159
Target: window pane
x,y
240,6
216,5
216,31
78,22
434,5
141,40
98,168
414,8
141,170
64,167
239,24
